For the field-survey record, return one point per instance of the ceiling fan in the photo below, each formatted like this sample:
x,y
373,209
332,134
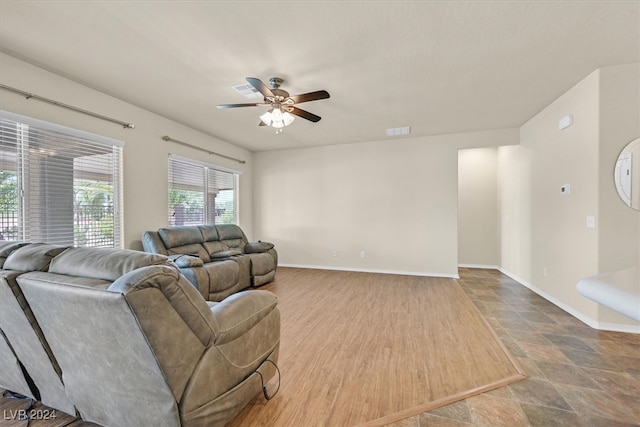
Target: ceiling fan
x,y
283,106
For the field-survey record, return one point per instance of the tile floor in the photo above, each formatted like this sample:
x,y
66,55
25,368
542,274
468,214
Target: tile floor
x,y
577,376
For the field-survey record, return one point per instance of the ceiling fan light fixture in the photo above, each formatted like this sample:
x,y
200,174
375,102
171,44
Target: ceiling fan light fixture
x,y
277,118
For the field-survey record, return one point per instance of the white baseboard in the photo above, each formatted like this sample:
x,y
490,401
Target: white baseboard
x,y
367,270
615,327
488,267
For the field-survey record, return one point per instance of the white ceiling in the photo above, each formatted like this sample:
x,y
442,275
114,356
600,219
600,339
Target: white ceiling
x,y
438,66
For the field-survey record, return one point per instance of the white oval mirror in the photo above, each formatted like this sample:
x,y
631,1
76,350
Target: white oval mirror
x,y
627,174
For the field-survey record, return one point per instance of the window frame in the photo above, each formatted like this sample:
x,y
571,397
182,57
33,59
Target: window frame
x,y
207,168
46,132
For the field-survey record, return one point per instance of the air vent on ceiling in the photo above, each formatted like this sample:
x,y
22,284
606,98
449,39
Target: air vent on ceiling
x,y
399,131
247,91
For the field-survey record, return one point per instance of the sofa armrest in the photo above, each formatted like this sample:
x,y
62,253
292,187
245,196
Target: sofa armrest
x,y
192,268
257,247
185,261
240,312
197,275
152,243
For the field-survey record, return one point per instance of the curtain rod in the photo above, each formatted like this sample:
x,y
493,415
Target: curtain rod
x,y
169,139
68,107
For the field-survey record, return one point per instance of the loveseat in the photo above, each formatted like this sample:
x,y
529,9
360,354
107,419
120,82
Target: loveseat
x,y
121,338
218,259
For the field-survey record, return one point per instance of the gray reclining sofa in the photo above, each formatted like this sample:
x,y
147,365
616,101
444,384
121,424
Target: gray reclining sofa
x,y
123,339
218,259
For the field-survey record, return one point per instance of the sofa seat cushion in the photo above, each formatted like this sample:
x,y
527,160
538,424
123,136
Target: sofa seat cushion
x,y
226,254
218,250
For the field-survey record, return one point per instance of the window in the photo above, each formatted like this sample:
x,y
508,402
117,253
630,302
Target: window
x,y
58,185
201,193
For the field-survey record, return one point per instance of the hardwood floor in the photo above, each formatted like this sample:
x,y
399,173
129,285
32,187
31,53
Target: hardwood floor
x,y
368,349
578,376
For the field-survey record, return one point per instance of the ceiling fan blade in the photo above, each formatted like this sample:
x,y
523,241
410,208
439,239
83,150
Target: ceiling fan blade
x,y
304,114
262,123
311,96
261,87
261,104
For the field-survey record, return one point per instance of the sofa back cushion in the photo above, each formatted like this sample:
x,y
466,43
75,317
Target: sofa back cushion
x,y
32,257
180,236
209,233
232,236
230,232
215,247
186,240
6,247
102,263
195,249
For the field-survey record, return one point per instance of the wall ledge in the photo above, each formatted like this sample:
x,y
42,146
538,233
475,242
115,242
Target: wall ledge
x,y
603,326
617,290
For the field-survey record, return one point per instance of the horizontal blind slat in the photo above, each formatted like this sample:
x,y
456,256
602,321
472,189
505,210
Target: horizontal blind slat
x,y
70,182
199,194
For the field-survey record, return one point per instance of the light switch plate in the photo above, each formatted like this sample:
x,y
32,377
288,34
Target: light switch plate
x,y
591,221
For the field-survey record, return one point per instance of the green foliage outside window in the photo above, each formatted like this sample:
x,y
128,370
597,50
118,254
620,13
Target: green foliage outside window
x,y
8,206
93,213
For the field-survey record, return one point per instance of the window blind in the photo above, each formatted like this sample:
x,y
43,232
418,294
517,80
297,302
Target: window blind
x,y
58,185
201,194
